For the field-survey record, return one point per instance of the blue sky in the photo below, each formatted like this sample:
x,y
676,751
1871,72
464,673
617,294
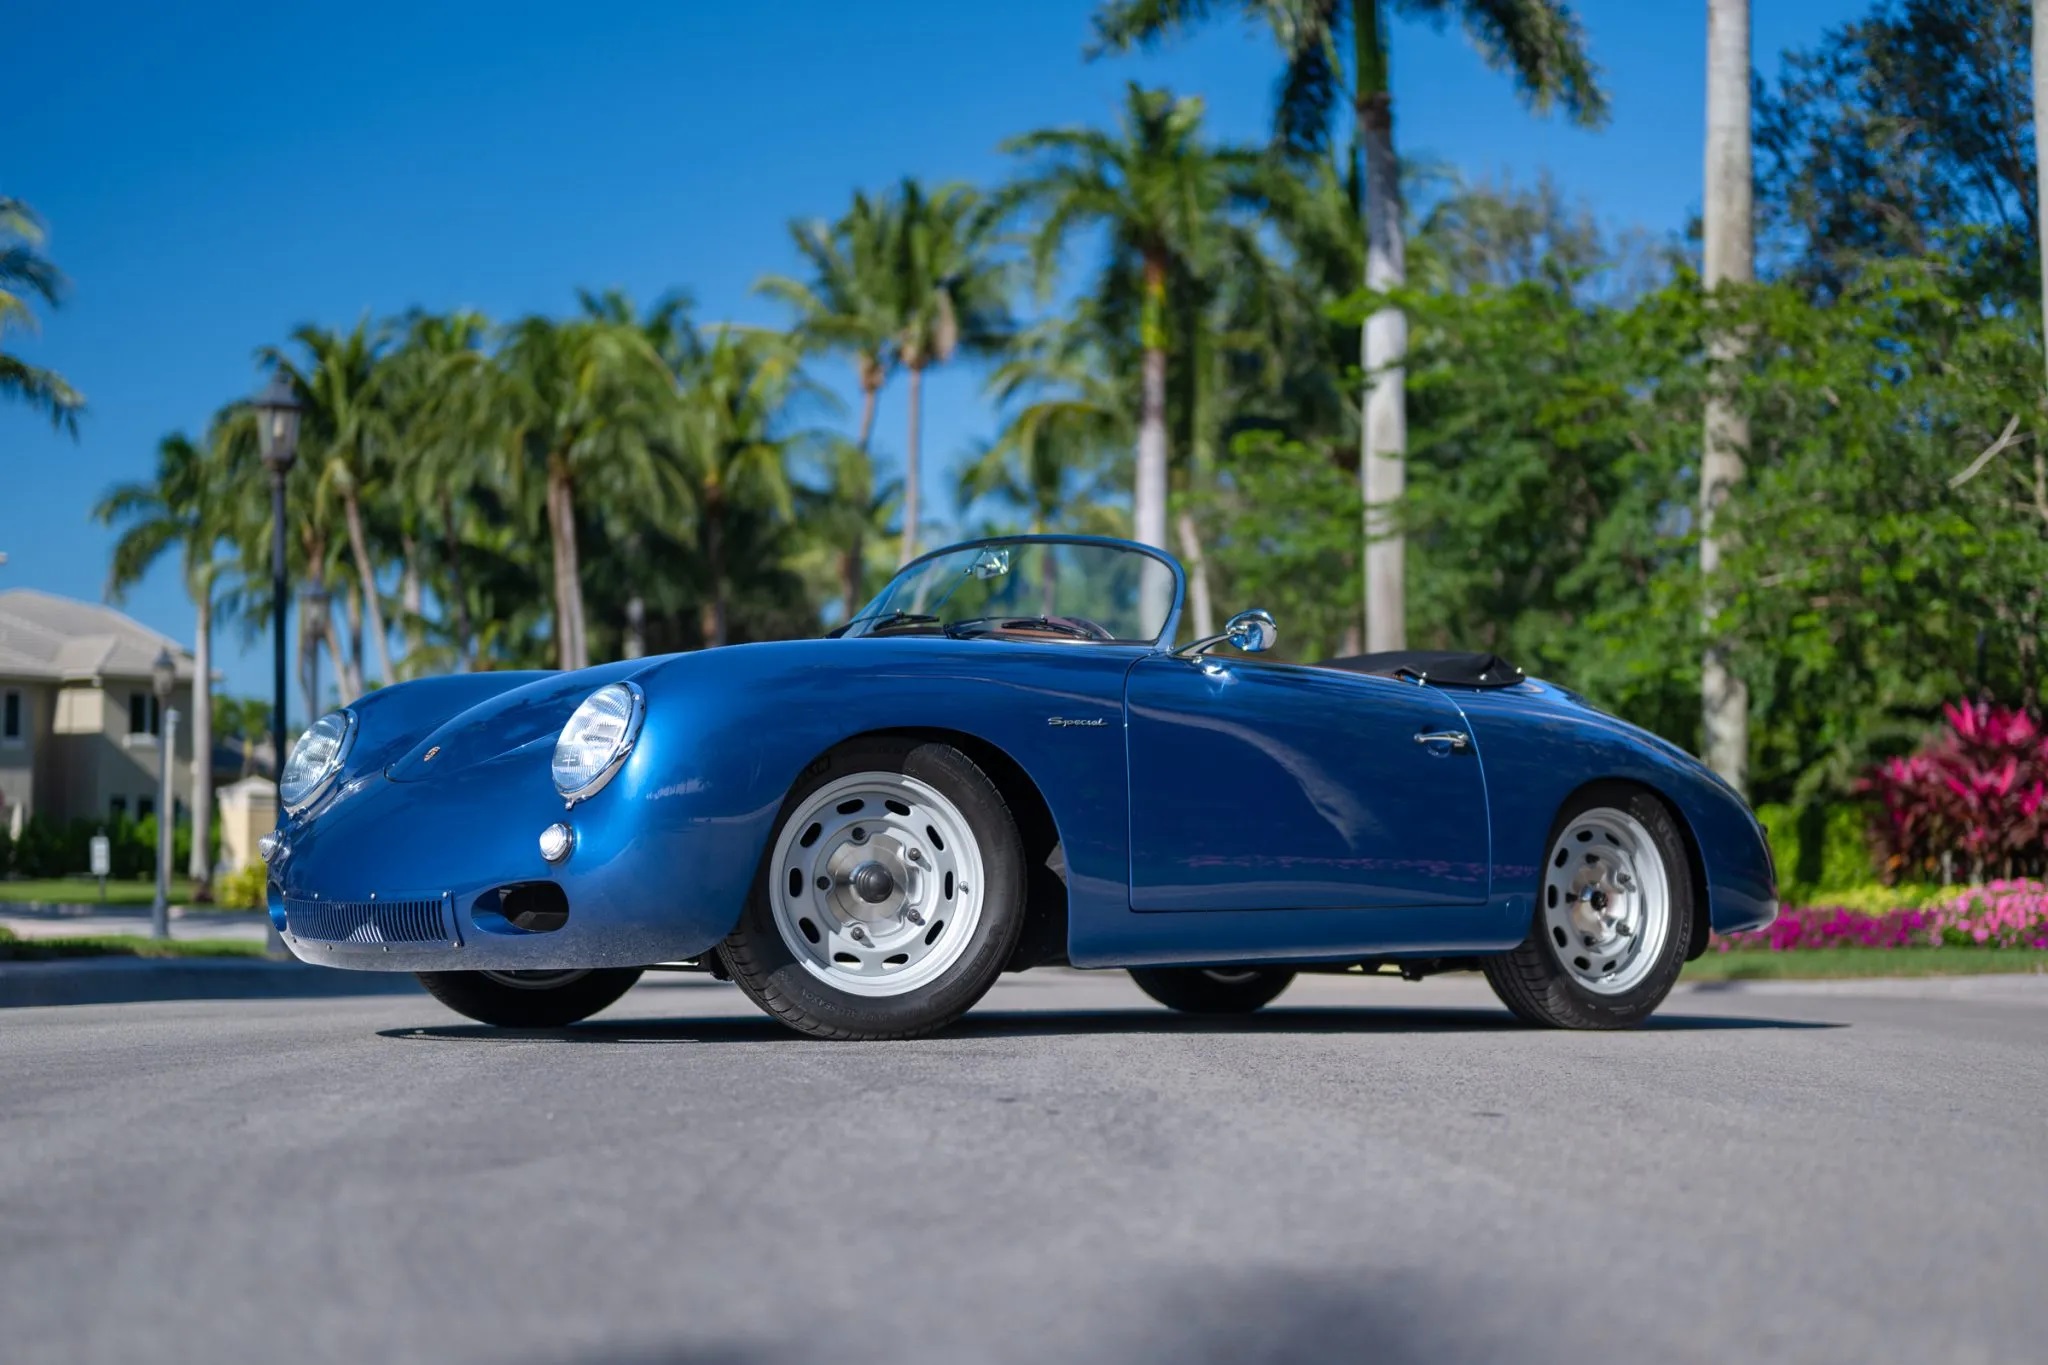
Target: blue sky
x,y
214,175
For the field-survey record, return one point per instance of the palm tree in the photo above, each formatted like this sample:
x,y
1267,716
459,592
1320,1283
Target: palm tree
x,y
26,273
726,442
1730,259
187,508
1538,42
345,436
580,398
952,293
848,305
1161,194
437,393
843,510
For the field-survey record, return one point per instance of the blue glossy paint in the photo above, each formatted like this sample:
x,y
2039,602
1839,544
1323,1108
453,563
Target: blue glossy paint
x,y
1259,786
1254,812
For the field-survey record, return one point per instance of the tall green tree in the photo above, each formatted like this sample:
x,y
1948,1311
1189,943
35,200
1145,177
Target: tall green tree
x,y
847,306
344,437
1896,132
727,436
443,423
1159,190
27,275
580,399
952,291
185,509
1537,42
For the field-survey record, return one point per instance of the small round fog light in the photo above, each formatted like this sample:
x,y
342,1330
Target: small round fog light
x,y
556,841
268,845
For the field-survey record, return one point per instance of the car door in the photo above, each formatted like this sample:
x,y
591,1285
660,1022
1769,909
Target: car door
x,y
1274,786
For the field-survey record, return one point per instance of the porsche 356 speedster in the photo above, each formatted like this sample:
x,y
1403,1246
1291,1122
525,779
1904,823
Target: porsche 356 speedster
x,y
1006,761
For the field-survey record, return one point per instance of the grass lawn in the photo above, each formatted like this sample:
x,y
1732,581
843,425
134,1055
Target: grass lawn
x,y
1760,965
121,945
86,891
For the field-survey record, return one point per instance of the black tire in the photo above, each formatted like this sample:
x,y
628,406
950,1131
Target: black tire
x,y
490,998
1534,983
1212,990
762,964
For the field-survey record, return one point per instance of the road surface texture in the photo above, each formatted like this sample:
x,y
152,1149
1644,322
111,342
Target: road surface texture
x,y
1370,1171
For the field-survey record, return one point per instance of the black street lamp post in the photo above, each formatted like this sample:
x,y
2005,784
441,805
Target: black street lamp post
x,y
277,429
277,433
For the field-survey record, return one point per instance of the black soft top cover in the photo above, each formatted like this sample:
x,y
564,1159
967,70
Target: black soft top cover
x,y
1447,667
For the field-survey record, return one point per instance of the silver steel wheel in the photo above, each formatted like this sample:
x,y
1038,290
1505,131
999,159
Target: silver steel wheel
x,y
538,981
876,884
1606,901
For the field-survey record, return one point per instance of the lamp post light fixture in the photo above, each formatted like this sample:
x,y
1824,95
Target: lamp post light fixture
x,y
277,437
164,675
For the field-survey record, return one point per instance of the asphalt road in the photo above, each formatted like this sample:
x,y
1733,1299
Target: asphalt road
x,y
1371,1171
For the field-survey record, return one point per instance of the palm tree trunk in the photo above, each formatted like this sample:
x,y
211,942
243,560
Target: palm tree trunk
x,y
344,679
358,545
711,612
910,465
561,498
1383,345
634,643
853,560
1148,494
2041,141
412,596
465,636
200,865
309,666
1197,565
1730,259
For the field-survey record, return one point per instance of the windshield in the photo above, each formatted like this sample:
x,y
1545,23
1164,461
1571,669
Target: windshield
x,y
1047,589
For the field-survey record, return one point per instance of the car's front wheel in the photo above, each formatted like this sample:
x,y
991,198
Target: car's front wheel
x,y
530,999
1212,990
1613,915
891,898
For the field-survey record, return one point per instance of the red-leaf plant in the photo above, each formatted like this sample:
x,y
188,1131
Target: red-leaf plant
x,y
1971,804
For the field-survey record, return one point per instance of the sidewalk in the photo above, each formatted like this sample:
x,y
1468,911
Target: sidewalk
x,y
37,920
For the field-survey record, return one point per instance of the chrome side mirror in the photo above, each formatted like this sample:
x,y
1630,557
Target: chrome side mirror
x,y
1251,631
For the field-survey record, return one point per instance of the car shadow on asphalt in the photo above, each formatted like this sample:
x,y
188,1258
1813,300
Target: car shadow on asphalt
x,y
1005,1023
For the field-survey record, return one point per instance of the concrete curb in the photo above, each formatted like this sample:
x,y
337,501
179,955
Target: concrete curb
x,y
121,980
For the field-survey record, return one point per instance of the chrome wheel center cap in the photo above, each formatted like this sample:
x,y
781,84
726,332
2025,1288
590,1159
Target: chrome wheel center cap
x,y
872,883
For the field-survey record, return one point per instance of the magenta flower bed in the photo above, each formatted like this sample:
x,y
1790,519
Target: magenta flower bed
x,y
2003,914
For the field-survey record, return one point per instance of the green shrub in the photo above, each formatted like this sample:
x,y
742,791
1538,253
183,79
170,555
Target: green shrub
x,y
1820,847
243,889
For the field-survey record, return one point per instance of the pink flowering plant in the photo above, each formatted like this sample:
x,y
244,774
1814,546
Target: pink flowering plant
x,y
1971,804
2000,914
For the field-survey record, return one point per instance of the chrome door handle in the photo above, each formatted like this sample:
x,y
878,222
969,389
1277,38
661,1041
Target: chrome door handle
x,y
1457,740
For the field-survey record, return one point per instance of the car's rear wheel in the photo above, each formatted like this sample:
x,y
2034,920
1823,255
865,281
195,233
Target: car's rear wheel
x,y
1212,990
530,999
891,897
1612,919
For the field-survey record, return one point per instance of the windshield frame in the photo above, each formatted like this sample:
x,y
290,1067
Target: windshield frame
x,y
1163,640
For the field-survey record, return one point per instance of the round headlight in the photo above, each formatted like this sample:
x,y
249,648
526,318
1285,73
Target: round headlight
x,y
316,758
596,740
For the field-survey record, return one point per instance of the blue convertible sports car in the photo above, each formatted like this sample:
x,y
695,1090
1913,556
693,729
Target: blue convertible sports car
x,y
1004,762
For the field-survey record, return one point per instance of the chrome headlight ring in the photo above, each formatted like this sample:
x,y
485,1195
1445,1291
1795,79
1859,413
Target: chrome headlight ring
x,y
596,740
316,760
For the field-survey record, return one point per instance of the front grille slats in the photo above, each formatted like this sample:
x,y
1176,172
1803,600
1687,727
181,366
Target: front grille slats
x,y
368,921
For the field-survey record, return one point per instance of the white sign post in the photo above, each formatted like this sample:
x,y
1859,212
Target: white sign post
x,y
102,862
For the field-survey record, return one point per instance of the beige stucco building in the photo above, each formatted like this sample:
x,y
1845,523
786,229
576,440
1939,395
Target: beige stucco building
x,y
80,724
